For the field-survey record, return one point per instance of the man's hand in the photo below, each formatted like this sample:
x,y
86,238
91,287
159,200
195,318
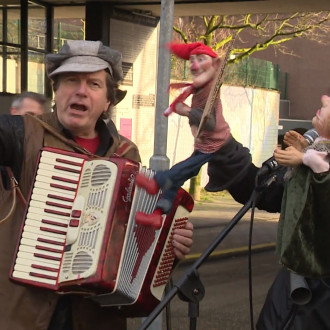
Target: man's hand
x,y
182,240
294,139
289,157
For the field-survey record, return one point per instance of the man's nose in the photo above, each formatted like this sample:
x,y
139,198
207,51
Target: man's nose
x,y
81,87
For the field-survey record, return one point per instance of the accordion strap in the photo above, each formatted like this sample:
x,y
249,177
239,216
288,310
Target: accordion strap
x,y
15,190
123,148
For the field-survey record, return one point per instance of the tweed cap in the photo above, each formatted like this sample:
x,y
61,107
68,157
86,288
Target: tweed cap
x,y
85,56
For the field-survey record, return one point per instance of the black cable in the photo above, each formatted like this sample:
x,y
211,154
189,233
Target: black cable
x,y
250,266
168,287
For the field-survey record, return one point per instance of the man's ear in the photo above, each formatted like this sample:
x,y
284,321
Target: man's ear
x,y
13,111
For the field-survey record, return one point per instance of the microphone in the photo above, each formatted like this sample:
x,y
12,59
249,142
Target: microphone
x,y
268,166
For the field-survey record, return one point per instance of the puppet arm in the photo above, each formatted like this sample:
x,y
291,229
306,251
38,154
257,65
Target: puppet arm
x,y
195,117
180,99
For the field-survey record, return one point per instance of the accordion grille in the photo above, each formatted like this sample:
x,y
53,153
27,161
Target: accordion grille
x,y
81,262
101,174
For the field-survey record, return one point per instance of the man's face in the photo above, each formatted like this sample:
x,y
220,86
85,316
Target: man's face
x,y
28,106
203,69
80,100
321,121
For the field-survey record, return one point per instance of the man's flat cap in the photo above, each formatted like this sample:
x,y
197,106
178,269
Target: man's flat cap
x,y
85,56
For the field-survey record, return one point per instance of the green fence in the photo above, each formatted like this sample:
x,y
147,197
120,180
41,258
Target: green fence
x,y
253,72
250,72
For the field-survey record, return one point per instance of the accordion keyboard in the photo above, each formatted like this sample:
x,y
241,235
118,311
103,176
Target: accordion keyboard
x,y
47,218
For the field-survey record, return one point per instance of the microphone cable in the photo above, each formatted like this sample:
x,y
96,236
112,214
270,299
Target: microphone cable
x,y
268,167
250,265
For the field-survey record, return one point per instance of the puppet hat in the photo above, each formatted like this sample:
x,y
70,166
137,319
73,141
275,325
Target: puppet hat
x,y
186,50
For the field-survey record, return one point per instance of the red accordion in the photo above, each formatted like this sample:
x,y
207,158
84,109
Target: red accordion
x,y
79,232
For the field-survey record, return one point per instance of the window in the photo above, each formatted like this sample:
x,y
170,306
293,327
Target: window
x,y
23,50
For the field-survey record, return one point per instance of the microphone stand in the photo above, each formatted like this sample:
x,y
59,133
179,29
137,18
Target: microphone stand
x,y
189,287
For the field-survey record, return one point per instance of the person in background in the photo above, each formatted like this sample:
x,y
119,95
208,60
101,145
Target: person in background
x,y
299,190
85,76
28,102
299,141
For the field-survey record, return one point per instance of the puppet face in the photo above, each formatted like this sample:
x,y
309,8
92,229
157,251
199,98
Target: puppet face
x,y
321,121
203,69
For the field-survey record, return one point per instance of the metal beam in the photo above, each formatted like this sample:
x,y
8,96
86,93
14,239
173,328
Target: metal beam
x,y
159,160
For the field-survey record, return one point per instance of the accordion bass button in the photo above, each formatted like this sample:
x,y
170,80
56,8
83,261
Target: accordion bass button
x,y
76,213
74,224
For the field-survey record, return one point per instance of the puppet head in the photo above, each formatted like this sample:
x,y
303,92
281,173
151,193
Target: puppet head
x,y
204,62
321,120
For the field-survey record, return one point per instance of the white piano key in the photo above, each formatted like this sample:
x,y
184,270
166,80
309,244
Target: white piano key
x,y
30,256
61,221
37,261
57,196
63,215
37,230
35,236
52,228
31,242
28,269
55,181
48,254
63,168
26,276
52,156
54,208
45,197
49,173
46,186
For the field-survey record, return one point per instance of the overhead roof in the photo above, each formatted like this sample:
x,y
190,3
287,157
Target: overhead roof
x,y
211,7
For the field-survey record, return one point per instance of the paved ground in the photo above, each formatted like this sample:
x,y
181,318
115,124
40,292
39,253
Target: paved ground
x,y
215,215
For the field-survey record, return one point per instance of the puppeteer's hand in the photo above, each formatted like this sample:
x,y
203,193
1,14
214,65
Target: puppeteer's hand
x,y
182,240
289,157
294,139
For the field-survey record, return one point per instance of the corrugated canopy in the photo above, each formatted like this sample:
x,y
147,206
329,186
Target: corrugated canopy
x,y
198,8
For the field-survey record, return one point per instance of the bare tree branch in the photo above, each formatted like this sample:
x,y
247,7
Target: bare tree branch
x,y
255,32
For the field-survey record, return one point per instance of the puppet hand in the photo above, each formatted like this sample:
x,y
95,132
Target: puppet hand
x,y
168,111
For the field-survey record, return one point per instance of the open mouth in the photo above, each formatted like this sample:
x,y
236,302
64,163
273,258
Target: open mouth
x,y
79,107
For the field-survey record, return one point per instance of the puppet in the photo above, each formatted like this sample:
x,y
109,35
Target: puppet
x,y
215,133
